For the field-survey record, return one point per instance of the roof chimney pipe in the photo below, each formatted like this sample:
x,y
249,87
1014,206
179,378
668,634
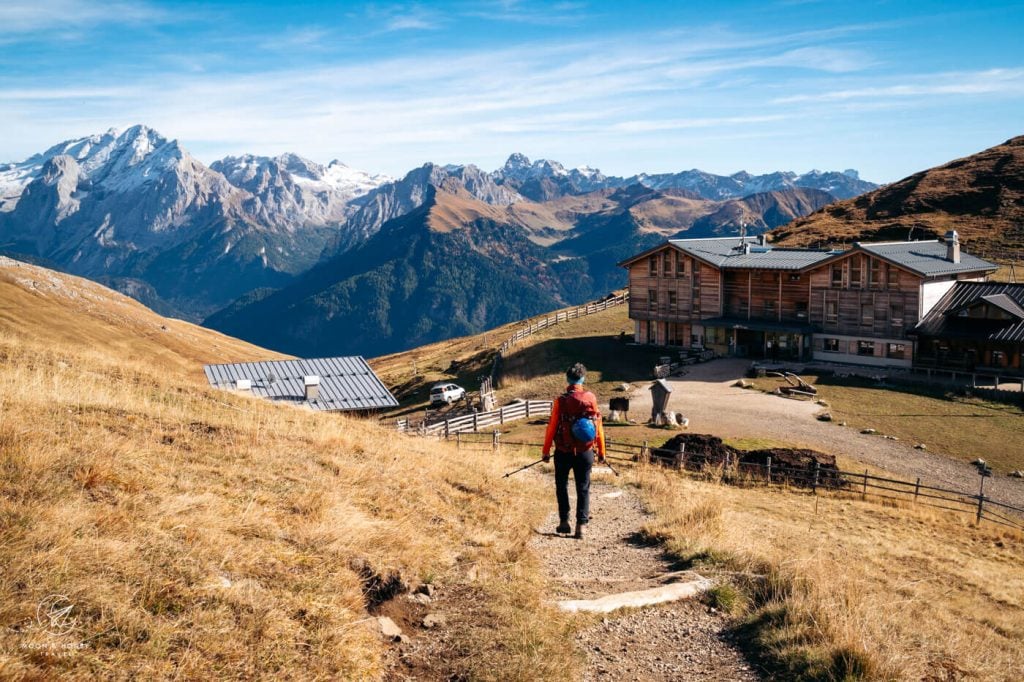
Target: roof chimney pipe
x,y
312,385
953,246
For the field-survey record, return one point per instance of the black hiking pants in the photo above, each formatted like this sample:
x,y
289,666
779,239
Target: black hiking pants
x,y
580,465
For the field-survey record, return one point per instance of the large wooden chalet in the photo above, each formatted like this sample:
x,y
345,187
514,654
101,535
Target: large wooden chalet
x,y
745,297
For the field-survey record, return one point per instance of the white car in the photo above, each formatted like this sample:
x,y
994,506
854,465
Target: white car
x,y
445,394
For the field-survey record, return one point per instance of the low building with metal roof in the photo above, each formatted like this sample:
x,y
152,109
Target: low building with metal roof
x,y
340,384
975,325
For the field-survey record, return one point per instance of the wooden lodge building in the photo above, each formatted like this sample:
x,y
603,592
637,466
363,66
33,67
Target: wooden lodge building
x,y
747,298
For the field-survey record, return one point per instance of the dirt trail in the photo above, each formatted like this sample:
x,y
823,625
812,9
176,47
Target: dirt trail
x,y
681,640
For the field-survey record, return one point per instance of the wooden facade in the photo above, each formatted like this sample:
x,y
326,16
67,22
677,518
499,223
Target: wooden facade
x,y
862,307
851,307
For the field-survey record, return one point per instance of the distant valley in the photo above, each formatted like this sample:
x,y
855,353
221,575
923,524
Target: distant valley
x,y
346,261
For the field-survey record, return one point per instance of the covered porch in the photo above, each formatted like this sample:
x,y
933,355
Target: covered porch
x,y
759,339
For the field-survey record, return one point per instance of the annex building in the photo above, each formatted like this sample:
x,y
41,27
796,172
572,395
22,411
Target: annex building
x,y
745,297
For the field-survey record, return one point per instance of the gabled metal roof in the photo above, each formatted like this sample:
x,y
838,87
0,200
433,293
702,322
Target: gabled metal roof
x,y
942,320
346,383
926,258
726,253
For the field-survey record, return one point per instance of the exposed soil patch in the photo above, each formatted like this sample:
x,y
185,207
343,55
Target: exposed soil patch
x,y
796,465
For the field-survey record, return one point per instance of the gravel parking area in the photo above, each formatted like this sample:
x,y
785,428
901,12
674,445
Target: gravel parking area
x,y
707,397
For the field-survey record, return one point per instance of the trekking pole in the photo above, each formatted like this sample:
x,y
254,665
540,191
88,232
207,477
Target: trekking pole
x,y
523,468
609,465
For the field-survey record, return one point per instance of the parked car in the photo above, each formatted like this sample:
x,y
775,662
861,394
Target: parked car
x,y
446,394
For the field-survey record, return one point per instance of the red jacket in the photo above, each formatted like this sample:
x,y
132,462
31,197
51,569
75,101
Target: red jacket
x,y
587,397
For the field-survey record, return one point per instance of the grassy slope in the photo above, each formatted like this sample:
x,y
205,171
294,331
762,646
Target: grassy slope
x,y
201,534
851,589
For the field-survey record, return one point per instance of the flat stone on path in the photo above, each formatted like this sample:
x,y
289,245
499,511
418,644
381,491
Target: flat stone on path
x,y
663,637
655,595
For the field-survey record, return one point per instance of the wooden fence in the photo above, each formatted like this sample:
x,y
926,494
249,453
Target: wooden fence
x,y
478,420
817,479
533,326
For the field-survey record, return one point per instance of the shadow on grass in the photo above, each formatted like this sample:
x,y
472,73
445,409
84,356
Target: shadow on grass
x,y
607,357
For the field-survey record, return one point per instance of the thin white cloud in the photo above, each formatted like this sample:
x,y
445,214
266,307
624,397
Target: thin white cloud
x,y
991,81
20,17
639,95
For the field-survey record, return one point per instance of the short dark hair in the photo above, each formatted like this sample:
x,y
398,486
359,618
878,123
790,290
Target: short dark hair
x,y
575,373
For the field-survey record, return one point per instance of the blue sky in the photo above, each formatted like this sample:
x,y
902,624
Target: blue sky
x,y
888,88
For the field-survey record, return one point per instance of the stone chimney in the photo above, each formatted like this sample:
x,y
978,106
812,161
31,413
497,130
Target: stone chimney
x,y
953,246
312,385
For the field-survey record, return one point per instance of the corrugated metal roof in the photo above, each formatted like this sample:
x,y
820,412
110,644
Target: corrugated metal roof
x,y
943,321
346,383
727,253
927,258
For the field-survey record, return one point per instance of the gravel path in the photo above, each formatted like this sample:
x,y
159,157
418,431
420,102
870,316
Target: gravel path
x,y
680,641
707,397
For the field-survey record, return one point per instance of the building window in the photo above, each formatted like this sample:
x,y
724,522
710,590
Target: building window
x,y
896,313
865,348
671,301
769,308
666,268
867,314
830,345
897,350
876,273
794,277
680,265
652,300
650,331
652,266
998,358
893,275
855,272
801,310
695,305
837,275
831,311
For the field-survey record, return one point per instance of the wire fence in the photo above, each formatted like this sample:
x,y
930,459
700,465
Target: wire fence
x,y
814,478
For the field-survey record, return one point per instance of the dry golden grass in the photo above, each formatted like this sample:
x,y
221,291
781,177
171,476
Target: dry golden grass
x,y
838,589
201,534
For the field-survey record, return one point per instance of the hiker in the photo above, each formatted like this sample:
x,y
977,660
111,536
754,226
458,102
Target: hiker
x,y
575,429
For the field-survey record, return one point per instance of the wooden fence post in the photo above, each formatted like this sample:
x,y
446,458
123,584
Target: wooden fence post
x,y
917,488
475,421
769,464
458,440
864,490
494,440
817,471
680,459
981,499
645,452
527,409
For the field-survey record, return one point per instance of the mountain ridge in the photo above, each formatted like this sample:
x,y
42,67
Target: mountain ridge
x,y
981,196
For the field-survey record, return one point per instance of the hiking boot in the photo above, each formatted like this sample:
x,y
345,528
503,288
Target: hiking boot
x,y
563,528
579,531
